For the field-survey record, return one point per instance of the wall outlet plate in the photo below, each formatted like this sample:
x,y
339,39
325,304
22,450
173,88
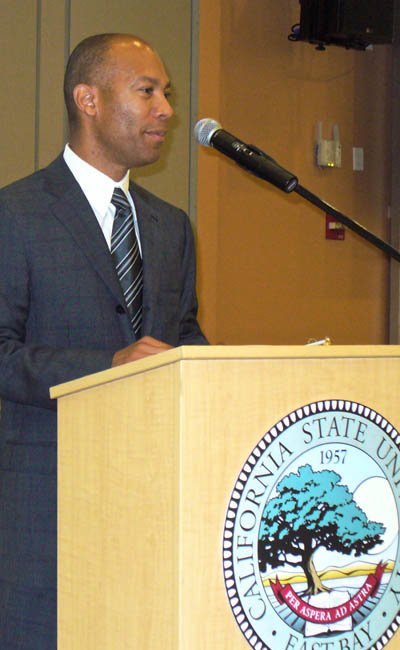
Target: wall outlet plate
x,y
329,153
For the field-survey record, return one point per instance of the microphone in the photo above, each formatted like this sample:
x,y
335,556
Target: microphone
x,y
210,133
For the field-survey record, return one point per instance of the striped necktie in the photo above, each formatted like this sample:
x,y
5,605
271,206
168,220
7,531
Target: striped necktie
x,y
126,256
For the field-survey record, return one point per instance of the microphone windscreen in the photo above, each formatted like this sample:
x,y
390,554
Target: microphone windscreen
x,y
204,130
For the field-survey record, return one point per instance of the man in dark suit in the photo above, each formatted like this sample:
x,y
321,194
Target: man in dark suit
x,y
63,311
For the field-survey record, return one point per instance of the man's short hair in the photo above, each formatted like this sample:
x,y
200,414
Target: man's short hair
x,y
87,65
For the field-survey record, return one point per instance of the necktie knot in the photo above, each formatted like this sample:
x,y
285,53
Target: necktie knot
x,y
120,202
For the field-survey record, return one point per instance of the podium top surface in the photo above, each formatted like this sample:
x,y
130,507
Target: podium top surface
x,y
222,352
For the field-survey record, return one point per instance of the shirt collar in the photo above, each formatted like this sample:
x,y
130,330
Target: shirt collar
x,y
97,187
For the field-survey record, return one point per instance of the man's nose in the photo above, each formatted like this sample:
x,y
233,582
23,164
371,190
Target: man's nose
x,y
164,108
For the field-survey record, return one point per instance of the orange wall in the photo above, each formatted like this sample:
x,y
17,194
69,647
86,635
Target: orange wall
x,y
266,272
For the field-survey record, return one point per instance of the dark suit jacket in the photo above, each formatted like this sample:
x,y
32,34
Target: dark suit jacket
x,y
62,315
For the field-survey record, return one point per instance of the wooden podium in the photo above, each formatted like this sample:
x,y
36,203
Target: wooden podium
x,y
149,454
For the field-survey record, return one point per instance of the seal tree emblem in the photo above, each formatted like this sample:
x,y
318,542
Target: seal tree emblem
x,y
311,539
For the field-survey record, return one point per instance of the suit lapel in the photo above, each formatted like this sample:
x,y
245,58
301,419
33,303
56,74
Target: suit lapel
x,y
73,210
150,234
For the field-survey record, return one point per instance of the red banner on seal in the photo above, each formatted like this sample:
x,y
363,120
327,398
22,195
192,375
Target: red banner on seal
x,y
329,614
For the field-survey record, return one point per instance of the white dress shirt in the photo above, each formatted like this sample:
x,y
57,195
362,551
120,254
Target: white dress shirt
x,y
98,189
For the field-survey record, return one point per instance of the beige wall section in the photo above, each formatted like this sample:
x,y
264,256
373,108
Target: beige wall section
x,y
208,169
35,36
18,88
50,110
263,258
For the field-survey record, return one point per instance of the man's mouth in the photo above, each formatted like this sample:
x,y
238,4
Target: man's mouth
x,y
158,135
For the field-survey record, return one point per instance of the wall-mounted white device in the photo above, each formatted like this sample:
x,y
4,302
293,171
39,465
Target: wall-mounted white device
x,y
329,152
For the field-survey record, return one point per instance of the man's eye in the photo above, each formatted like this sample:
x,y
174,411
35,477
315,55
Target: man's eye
x,y
148,90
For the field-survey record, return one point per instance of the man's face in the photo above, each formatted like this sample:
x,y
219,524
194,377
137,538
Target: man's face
x,y
130,124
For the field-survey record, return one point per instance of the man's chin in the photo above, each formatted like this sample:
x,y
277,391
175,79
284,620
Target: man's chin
x,y
149,159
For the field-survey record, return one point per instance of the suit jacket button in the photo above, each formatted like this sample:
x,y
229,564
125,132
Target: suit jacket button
x,y
119,309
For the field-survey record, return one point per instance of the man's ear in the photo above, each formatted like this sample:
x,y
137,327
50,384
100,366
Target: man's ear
x,y
85,98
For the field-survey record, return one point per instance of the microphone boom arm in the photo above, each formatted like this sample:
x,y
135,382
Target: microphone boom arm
x,y
254,160
348,222
338,216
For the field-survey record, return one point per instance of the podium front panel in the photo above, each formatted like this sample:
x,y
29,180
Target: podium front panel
x,y
148,464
